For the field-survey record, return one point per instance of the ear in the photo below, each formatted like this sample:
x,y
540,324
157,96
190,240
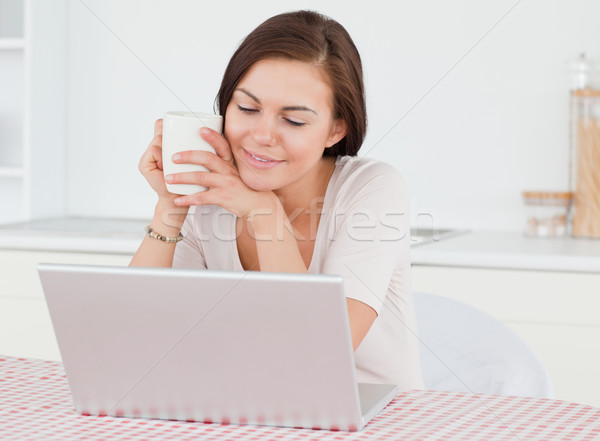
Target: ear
x,y
338,131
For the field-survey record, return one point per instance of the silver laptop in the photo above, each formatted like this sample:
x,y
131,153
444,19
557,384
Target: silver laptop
x,y
209,346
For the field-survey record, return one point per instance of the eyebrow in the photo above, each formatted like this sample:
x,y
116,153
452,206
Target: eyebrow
x,y
303,108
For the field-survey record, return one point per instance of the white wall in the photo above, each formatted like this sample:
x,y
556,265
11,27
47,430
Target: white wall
x,y
495,125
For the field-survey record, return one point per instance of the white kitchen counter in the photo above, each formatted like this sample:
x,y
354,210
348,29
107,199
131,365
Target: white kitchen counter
x,y
477,249
510,250
74,234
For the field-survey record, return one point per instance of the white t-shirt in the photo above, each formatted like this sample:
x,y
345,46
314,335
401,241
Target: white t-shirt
x,y
364,236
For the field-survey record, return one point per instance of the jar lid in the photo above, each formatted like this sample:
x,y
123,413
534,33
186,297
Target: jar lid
x,y
547,195
585,73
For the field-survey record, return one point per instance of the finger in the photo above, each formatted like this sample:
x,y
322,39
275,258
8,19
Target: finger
x,y
158,126
208,159
208,197
151,159
157,140
206,179
156,152
218,142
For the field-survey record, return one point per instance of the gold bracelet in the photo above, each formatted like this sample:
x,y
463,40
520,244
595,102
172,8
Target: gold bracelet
x,y
154,235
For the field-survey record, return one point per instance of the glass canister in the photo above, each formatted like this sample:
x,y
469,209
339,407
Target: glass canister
x,y
584,170
547,213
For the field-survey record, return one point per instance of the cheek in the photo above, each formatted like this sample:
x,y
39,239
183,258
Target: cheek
x,y
309,143
233,128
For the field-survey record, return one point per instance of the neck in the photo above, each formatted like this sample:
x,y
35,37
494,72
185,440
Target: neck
x,y
308,192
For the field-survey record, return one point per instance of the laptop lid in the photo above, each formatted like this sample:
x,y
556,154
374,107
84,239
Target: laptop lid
x,y
233,347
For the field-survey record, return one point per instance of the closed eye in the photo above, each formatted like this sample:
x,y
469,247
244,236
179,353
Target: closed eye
x,y
295,123
251,111
246,110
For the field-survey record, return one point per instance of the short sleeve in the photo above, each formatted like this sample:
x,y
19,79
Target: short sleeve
x,y
370,237
188,252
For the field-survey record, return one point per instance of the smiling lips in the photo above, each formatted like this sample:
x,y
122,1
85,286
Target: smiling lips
x,y
260,161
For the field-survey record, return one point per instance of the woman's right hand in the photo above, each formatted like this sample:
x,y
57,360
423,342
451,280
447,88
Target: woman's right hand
x,y
168,217
151,165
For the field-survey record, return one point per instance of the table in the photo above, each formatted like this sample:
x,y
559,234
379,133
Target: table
x,y
35,404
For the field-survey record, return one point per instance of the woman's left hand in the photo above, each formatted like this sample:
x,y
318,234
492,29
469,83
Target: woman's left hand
x,y
225,187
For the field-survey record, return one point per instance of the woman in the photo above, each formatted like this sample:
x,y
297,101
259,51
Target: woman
x,y
287,192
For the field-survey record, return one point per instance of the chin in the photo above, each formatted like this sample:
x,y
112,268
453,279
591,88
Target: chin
x,y
256,183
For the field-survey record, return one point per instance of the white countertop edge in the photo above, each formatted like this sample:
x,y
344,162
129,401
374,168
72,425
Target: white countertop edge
x,y
517,257
570,263
106,245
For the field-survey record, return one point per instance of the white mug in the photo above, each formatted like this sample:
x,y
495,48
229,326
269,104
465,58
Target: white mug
x,y
181,132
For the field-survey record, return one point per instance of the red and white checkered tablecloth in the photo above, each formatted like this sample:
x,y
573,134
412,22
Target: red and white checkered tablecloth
x,y
35,404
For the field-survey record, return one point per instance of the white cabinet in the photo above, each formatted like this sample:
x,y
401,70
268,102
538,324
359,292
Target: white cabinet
x,y
25,326
12,101
32,109
556,313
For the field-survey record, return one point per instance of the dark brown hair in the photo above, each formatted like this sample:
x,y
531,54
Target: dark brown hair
x,y
313,38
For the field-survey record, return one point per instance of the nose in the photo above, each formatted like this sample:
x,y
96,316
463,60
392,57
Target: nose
x,y
264,130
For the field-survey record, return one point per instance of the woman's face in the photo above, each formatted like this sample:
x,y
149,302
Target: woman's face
x,y
278,123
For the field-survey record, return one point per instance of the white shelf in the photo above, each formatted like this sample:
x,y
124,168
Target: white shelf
x,y
12,43
11,172
32,110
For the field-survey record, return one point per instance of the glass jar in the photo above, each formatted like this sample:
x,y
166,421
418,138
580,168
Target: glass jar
x,y
547,213
584,170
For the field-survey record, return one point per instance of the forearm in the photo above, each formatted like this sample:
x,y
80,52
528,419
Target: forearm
x,y
276,244
167,221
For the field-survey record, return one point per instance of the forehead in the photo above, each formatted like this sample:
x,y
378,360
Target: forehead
x,y
288,82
